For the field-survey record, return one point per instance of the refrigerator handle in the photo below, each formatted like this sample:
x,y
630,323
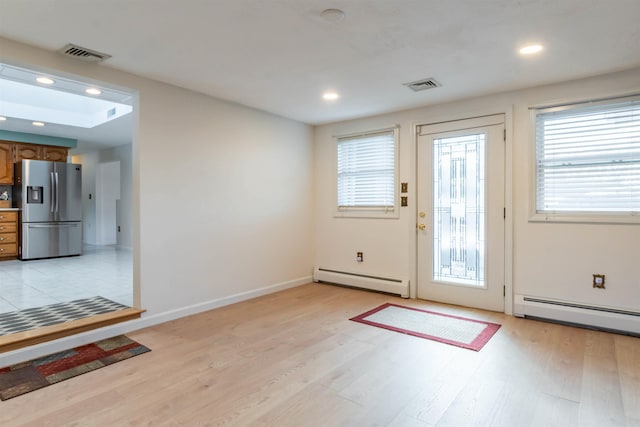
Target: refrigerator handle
x,y
57,192
53,192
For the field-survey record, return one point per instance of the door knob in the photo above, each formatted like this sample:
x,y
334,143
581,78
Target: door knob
x,y
421,226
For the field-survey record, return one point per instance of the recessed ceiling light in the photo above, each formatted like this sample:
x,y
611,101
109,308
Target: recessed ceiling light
x,y
330,96
531,49
2,118
45,80
93,91
37,123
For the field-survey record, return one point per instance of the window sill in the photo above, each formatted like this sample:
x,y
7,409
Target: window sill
x,y
362,213
586,218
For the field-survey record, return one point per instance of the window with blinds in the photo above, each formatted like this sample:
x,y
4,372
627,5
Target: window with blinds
x,y
588,159
366,172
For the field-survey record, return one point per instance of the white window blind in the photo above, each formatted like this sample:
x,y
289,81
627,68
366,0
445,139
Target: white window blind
x,y
367,171
588,159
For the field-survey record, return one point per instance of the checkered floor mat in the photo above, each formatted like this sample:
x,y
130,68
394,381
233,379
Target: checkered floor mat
x,y
32,318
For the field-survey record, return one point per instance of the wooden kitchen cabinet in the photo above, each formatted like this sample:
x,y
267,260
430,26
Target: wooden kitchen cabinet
x,y
27,152
6,163
54,154
8,234
13,152
39,152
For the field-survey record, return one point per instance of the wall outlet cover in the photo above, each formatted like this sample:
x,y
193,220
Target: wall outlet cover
x,y
598,281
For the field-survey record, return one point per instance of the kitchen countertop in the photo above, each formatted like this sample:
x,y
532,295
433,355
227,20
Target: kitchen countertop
x,y
9,209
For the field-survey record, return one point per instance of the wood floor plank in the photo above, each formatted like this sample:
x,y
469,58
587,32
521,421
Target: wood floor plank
x,y
441,389
553,411
294,359
316,404
564,370
627,353
601,397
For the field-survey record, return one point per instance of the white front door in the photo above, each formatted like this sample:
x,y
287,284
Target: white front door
x,y
461,212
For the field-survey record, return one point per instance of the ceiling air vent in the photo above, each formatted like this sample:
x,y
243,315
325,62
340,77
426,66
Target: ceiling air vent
x,y
83,54
425,84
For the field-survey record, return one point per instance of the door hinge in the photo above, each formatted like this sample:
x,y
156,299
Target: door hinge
x,y
504,291
504,213
504,134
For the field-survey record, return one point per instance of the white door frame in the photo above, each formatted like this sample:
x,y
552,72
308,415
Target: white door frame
x,y
507,110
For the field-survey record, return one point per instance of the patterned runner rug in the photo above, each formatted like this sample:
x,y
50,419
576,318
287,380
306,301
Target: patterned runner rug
x,y
445,328
28,376
32,318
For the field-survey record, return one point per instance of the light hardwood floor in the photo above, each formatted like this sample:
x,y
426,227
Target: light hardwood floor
x,y
294,359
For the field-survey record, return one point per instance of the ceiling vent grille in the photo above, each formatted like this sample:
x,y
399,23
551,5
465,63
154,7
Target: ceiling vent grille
x,y
425,84
83,54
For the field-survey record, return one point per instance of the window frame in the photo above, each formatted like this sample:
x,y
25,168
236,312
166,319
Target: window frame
x,y
588,217
369,211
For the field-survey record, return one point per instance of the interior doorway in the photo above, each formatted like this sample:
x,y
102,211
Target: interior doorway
x,y
107,197
461,202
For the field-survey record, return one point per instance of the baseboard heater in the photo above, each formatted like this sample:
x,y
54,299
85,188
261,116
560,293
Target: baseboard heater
x,y
591,316
375,283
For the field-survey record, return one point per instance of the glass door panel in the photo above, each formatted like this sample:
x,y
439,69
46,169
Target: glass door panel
x,y
458,209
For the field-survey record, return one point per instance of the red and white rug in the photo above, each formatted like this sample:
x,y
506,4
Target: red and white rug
x,y
455,330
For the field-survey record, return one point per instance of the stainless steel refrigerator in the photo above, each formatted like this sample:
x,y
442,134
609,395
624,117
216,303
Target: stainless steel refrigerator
x,y
49,195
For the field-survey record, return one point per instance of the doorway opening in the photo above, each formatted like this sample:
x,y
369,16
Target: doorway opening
x,y
106,266
107,200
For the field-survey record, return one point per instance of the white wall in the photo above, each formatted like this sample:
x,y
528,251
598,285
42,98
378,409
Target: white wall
x,y
550,260
225,201
222,194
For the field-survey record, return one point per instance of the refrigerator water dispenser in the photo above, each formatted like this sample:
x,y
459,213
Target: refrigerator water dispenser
x,y
34,194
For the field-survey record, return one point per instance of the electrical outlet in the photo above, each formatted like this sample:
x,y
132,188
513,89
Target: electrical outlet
x,y
359,257
598,281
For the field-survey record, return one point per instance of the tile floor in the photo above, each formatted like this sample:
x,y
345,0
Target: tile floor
x,y
100,271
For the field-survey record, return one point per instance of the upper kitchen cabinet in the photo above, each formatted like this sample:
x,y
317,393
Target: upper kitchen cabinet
x,y
40,152
27,152
13,152
6,163
54,154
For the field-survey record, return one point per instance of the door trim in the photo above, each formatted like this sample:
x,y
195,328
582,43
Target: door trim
x,y
507,111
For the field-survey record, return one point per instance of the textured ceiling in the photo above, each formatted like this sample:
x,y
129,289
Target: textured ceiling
x,y
280,55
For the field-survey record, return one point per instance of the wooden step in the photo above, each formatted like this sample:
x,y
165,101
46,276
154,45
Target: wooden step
x,y
19,340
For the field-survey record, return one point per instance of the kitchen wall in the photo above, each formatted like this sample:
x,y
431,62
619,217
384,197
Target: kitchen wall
x,y
553,260
90,163
222,194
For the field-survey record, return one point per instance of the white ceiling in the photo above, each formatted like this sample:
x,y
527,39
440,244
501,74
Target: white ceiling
x,y
280,55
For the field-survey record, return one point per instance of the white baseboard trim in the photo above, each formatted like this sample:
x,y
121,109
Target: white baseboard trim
x,y
607,318
365,281
39,350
